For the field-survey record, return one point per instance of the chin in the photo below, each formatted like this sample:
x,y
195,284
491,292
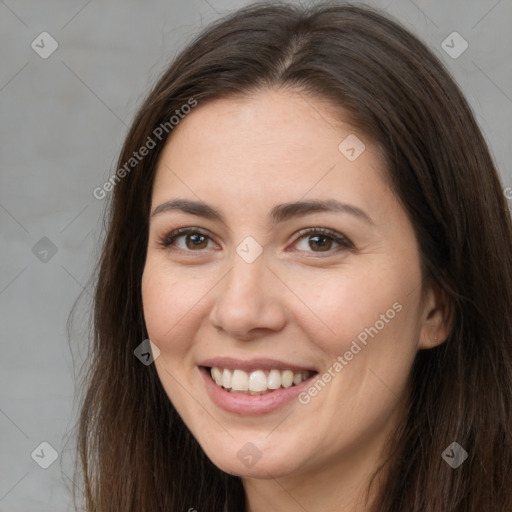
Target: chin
x,y
249,461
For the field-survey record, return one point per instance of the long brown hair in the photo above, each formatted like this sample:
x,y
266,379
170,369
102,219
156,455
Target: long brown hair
x,y
136,454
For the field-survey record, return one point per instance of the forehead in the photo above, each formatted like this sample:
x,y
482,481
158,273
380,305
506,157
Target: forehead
x,y
268,117
269,143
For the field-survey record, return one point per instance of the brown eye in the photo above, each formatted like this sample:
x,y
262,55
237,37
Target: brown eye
x,y
194,239
321,240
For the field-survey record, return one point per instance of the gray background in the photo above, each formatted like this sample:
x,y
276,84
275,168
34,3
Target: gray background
x,y
62,122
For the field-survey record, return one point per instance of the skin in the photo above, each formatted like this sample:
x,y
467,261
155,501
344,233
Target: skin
x,y
298,301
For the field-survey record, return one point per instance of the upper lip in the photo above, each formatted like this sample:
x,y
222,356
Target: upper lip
x,y
250,365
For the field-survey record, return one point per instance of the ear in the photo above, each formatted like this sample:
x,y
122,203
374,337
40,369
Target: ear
x,y
437,317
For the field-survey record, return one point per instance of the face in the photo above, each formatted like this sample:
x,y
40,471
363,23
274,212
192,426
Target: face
x,y
312,316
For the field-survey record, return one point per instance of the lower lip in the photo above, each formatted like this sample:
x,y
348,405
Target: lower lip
x,y
250,404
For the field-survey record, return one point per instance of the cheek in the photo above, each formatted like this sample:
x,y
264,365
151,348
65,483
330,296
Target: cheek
x,y
369,361
378,304
376,322
168,305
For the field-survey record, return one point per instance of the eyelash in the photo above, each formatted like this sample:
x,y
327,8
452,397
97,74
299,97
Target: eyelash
x,y
344,242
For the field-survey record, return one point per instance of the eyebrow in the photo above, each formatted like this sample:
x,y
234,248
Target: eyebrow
x,y
279,213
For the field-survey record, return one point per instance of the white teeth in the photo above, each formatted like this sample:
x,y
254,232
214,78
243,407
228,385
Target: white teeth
x,y
226,379
217,376
258,381
287,378
239,381
274,379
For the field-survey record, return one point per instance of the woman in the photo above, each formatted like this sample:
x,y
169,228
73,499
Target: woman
x,y
307,224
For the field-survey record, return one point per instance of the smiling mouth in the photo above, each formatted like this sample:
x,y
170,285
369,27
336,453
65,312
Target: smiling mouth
x,y
257,382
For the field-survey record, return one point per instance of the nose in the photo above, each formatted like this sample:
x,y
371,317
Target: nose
x,y
249,300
